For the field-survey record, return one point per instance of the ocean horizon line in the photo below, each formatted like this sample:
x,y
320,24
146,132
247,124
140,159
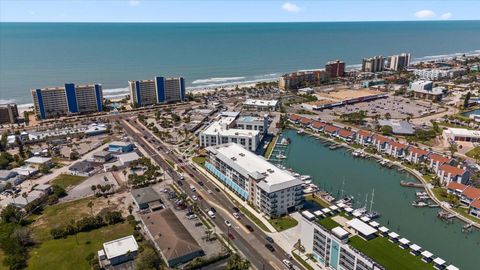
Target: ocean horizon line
x,y
244,22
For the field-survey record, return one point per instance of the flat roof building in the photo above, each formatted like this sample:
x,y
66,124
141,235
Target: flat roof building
x,y
261,105
272,190
8,113
461,135
67,100
118,251
143,197
157,91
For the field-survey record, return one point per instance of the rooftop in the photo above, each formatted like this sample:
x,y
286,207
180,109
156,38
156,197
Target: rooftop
x,y
449,169
260,102
398,126
222,127
120,143
269,177
38,160
145,195
121,246
361,227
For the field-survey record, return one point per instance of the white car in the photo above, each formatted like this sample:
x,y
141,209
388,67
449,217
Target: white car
x,y
194,197
192,216
209,191
228,223
287,263
236,215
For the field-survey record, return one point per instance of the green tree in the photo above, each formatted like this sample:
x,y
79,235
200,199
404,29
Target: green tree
x,y
386,130
466,100
235,262
148,260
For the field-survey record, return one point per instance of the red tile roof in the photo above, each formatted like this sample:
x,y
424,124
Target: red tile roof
x,y
471,192
380,138
456,186
476,204
439,158
364,133
418,151
344,133
454,171
294,117
305,120
318,124
397,145
331,129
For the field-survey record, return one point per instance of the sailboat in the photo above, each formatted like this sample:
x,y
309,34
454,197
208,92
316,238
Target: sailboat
x,y
372,214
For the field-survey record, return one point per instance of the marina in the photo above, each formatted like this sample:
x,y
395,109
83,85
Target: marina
x,y
339,174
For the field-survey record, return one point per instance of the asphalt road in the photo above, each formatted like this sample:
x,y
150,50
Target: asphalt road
x,y
251,244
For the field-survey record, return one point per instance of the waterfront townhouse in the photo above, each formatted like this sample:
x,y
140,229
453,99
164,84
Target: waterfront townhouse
x,y
416,155
380,142
331,130
346,135
67,100
456,188
395,149
294,118
469,195
434,161
305,122
271,190
363,137
474,208
247,131
157,91
447,173
317,126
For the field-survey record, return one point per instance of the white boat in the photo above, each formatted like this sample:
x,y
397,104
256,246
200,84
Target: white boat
x,y
281,156
305,177
308,182
301,131
419,204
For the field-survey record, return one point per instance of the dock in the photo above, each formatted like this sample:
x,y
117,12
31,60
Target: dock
x,y
411,184
446,216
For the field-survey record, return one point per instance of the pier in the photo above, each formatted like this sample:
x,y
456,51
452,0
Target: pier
x,y
411,184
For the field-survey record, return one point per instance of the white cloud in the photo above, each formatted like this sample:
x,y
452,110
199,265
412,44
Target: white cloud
x,y
134,3
289,7
446,16
425,14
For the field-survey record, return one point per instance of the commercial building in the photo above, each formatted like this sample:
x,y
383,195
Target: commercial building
x,y
67,100
398,62
8,113
335,68
247,131
399,127
301,79
270,189
421,85
145,198
461,135
120,147
261,105
170,237
157,91
373,64
117,252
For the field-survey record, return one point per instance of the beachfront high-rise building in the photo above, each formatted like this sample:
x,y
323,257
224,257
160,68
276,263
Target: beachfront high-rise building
x,y
398,62
335,68
67,100
8,113
373,64
301,79
156,91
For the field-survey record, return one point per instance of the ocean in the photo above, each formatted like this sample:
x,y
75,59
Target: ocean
x,y
37,55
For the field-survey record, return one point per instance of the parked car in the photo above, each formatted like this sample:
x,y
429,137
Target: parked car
x,y
192,216
213,209
231,236
228,223
195,198
236,209
236,215
249,227
270,247
217,189
287,263
211,214
269,239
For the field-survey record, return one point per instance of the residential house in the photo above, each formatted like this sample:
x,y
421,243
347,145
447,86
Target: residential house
x,y
456,188
317,126
294,118
434,161
474,208
305,122
363,137
396,149
331,130
346,135
469,195
448,173
380,142
416,155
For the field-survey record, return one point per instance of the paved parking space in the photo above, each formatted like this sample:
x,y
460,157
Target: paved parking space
x,y
84,189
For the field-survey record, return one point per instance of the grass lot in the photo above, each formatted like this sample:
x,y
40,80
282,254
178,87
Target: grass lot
x,y
283,223
439,193
328,223
67,254
388,254
317,200
464,212
65,180
199,160
300,260
474,153
253,218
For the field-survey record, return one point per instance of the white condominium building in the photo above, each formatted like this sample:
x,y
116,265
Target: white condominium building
x,y
247,131
261,105
398,62
156,91
70,99
270,189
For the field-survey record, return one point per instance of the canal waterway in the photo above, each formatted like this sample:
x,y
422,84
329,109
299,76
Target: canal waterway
x,y
332,169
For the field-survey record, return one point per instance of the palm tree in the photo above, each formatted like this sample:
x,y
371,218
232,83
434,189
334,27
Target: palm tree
x,y
90,205
25,196
130,209
93,188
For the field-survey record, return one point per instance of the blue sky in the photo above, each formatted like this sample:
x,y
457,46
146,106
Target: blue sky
x,y
235,10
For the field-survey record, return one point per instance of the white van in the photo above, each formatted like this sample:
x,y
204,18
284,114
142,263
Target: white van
x,y
211,214
192,188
